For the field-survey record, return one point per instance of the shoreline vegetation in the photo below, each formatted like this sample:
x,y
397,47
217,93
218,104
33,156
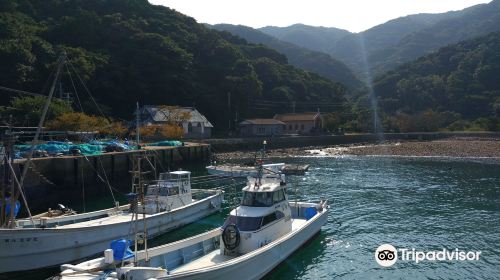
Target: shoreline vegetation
x,y
458,147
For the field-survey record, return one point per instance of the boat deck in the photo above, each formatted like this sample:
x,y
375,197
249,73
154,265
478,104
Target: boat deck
x,y
114,219
298,223
214,257
209,259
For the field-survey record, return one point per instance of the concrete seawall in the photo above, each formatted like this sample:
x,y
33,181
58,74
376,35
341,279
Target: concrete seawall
x,y
255,143
52,180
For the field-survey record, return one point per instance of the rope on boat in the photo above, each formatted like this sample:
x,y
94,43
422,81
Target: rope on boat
x,y
104,181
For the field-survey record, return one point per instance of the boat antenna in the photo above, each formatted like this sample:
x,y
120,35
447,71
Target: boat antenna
x,y
260,170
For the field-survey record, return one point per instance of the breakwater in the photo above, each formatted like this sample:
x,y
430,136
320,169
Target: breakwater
x,y
255,143
62,179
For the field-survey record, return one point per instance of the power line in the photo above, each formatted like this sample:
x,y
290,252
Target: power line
x,y
22,92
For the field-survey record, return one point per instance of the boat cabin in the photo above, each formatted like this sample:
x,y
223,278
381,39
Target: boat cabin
x,y
263,216
171,191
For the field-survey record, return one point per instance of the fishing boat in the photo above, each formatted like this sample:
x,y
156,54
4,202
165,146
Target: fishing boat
x,y
47,241
257,235
61,236
238,171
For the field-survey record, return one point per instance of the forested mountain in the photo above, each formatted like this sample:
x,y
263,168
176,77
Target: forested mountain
x,y
306,59
456,87
316,38
385,46
130,50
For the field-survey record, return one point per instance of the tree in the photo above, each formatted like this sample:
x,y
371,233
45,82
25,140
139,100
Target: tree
x,y
172,131
27,111
76,121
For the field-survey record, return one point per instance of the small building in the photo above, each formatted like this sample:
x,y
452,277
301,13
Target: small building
x,y
305,123
261,127
195,124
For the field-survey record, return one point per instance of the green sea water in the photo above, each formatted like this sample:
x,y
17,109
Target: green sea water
x,y
423,203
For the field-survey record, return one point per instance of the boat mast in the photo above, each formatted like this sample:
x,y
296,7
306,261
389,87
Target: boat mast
x,y
10,175
260,170
138,188
60,63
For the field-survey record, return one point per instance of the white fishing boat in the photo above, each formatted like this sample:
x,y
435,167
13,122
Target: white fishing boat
x,y
238,171
57,237
258,235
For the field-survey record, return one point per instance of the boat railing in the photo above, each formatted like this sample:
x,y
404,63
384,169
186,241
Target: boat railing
x,y
178,245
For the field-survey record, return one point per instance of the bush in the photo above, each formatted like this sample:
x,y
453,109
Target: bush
x,y
76,121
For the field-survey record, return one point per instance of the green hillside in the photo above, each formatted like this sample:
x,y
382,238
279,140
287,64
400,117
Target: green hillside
x,y
456,87
306,59
130,50
383,47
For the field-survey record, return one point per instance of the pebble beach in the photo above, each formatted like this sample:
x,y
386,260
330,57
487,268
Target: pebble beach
x,y
452,147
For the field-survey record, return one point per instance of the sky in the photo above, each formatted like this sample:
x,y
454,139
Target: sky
x,y
352,15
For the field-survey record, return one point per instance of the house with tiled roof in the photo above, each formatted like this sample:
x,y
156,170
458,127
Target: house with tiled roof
x,y
195,124
304,123
261,127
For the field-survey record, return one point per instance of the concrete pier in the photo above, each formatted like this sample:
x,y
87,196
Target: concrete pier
x,y
54,179
279,142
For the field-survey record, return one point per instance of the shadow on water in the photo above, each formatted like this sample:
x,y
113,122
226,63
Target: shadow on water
x,y
301,260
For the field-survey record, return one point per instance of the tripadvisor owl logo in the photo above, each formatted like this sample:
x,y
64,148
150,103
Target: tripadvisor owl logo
x,y
386,255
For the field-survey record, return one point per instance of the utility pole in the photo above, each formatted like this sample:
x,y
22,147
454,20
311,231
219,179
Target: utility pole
x,y
293,107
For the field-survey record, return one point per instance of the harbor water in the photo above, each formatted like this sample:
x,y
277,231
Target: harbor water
x,y
426,204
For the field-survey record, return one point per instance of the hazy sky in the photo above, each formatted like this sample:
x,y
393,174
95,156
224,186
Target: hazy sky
x,y
353,15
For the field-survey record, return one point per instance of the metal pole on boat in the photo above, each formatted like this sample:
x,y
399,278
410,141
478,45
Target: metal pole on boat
x,y
2,190
145,234
296,197
261,168
137,130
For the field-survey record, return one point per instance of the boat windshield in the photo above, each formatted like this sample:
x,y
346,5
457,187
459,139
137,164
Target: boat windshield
x,y
244,223
257,199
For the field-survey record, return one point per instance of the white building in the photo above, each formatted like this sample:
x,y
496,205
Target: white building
x,y
261,127
195,125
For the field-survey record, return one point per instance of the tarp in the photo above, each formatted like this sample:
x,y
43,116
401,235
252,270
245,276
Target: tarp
x,y
88,149
55,147
171,143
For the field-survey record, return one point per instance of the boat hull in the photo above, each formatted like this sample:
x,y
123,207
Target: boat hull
x,y
260,262
32,248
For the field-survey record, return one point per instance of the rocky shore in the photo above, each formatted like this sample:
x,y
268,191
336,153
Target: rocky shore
x,y
453,147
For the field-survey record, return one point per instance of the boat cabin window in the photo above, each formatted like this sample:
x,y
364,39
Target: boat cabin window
x,y
244,223
272,217
278,196
173,190
257,199
262,199
162,190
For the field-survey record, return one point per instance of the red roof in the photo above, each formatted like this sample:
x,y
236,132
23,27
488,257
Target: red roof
x,y
262,122
308,116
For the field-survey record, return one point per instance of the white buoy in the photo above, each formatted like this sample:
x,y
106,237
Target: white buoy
x,y
108,256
